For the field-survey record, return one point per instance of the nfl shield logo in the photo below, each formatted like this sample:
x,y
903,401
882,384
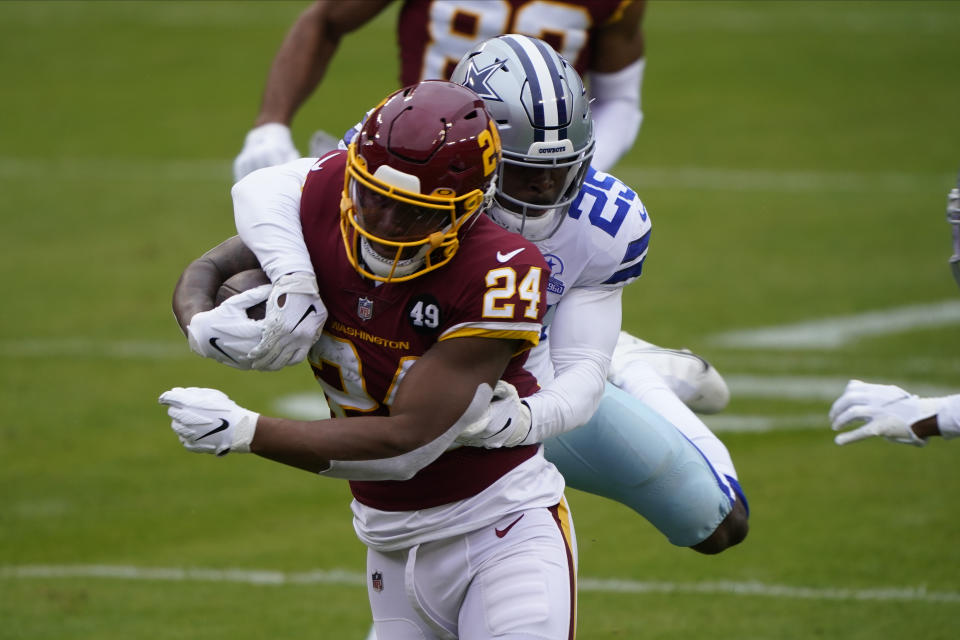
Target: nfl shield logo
x,y
365,308
377,580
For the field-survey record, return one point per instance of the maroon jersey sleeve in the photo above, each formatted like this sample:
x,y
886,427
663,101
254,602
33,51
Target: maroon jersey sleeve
x,y
434,34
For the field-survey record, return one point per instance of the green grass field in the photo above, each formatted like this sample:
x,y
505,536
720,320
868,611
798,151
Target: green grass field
x,y
795,158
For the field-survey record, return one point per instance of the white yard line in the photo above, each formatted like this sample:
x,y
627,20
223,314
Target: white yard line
x,y
745,180
95,348
98,168
830,333
343,577
724,423
812,387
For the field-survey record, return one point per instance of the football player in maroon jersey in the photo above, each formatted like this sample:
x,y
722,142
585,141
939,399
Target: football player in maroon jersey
x,y
603,39
426,304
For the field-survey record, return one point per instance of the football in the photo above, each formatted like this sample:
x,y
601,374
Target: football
x,y
241,282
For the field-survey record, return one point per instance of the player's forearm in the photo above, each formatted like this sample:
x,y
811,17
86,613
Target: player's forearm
x,y
568,401
297,68
311,445
580,352
364,448
617,112
266,208
306,52
195,291
197,286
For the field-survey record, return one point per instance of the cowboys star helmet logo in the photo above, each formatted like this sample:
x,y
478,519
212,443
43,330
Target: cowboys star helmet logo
x,y
477,80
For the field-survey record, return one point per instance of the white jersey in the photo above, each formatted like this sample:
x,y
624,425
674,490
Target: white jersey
x,y
602,243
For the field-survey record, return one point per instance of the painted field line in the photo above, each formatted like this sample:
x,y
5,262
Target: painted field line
x,y
829,333
745,180
826,388
94,348
342,577
202,170
724,423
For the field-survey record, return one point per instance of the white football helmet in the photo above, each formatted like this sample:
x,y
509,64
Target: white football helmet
x,y
541,109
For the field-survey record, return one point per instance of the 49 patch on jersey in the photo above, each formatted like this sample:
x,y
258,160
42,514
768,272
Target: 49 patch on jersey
x,y
423,313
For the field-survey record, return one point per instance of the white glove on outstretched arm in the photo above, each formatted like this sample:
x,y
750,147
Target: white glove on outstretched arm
x,y
887,411
504,423
207,421
294,319
225,333
265,146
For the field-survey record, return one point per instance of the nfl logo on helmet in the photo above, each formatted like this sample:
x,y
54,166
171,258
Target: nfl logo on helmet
x,y
376,580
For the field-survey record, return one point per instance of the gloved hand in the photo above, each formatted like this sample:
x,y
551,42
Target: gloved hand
x,y
294,319
887,410
322,143
265,146
207,421
504,423
225,333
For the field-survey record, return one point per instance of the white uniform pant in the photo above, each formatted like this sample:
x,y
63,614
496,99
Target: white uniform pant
x,y
515,579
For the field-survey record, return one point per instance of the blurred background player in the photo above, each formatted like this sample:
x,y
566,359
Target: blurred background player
x,y
887,410
594,231
602,38
477,543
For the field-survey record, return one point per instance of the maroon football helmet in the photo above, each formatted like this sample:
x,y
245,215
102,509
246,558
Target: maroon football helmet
x,y
423,164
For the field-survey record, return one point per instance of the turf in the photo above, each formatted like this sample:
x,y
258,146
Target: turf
x,y
795,158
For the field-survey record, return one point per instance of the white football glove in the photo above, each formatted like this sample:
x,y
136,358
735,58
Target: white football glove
x,y
504,423
887,410
265,146
225,333
321,143
207,421
291,326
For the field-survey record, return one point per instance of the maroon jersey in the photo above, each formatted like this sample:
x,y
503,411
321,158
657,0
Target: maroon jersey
x,y
434,34
494,286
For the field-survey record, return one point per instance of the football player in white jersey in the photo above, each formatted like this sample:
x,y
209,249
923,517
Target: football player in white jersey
x,y
642,447
886,410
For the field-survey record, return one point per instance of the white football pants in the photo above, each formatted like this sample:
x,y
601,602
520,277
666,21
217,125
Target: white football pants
x,y
513,580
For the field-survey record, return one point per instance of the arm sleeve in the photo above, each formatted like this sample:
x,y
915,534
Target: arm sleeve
x,y
405,466
580,351
948,418
617,113
266,210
